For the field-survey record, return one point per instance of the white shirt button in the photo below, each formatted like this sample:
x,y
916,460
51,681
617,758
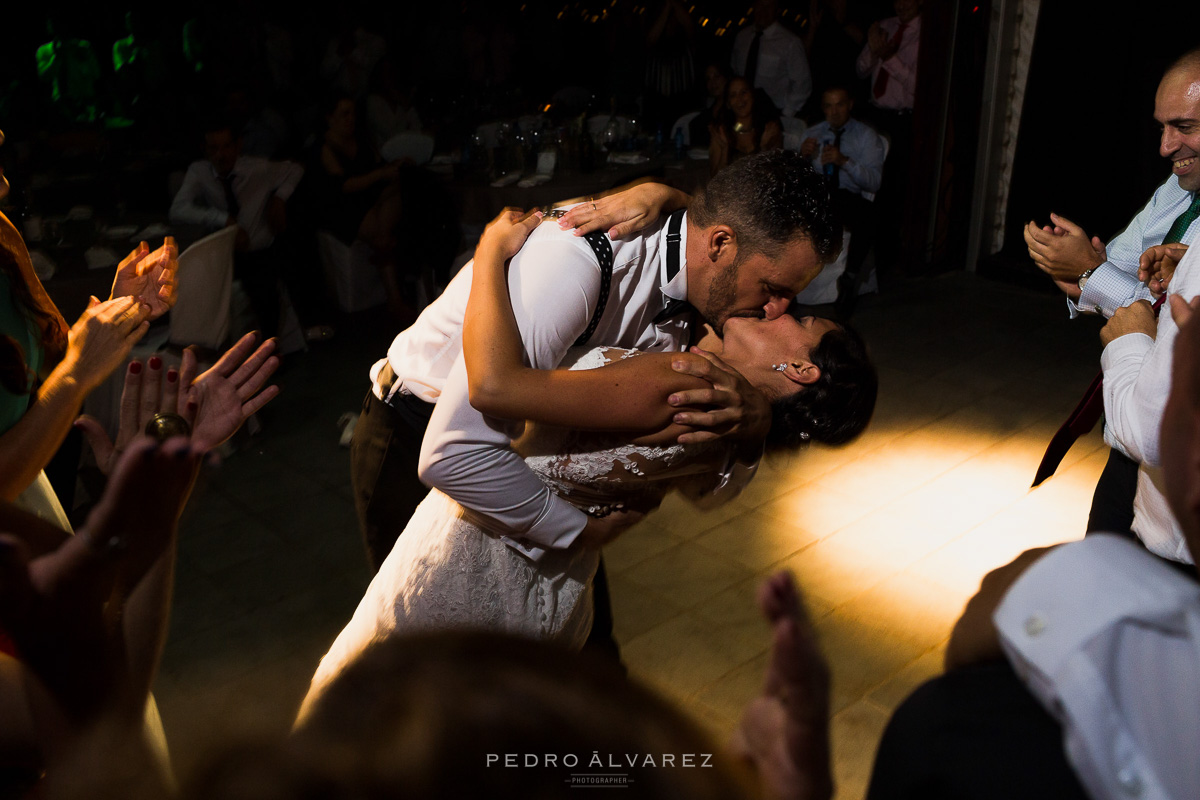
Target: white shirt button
x,y
1130,781
1035,624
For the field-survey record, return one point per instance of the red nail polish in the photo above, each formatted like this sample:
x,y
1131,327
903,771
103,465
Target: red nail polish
x,y
172,376
135,368
155,362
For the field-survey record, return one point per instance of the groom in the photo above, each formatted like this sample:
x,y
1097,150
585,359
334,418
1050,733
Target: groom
x,y
758,235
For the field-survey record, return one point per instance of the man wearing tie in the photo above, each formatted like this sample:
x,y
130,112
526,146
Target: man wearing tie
x,y
850,153
227,188
771,58
889,63
1104,280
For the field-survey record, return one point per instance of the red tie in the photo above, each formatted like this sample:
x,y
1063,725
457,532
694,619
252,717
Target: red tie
x,y
881,80
1079,423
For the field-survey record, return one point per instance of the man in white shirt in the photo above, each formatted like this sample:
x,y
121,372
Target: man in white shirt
x,y
1102,280
720,267
227,188
771,58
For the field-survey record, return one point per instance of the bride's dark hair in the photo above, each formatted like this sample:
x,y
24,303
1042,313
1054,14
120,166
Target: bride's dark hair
x,y
838,406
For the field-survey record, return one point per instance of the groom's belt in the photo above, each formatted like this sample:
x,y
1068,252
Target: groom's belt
x,y
408,405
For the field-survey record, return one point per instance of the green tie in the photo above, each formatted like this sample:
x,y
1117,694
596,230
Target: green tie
x,y
1183,221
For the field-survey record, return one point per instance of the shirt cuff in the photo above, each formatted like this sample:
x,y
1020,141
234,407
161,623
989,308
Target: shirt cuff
x,y
1129,346
557,529
1076,592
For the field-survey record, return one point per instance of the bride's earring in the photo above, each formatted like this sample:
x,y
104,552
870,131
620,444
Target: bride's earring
x,y
780,367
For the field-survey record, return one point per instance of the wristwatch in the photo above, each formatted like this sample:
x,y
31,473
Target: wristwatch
x,y
1087,273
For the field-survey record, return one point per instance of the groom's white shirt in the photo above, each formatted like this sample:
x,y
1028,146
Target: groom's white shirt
x,y
554,283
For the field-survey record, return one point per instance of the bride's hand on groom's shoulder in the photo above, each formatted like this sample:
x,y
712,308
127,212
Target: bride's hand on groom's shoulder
x,y
505,235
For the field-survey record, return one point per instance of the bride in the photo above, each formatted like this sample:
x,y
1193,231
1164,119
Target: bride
x,y
602,435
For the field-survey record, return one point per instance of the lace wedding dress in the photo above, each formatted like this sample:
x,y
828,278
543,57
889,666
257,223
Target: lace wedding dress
x,y
448,570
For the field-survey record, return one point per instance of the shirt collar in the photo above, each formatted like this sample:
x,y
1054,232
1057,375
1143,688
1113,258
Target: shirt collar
x,y
676,288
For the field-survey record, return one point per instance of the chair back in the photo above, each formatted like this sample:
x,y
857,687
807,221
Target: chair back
x,y
684,123
204,287
415,146
886,141
355,280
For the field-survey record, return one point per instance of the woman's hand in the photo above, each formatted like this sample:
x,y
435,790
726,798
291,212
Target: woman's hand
x,y
101,339
505,235
149,277
62,606
215,404
223,397
626,212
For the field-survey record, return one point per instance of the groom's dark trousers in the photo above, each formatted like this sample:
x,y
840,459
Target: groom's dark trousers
x,y
384,454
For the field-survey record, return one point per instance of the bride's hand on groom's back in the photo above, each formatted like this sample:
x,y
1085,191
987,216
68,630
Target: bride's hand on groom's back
x,y
624,213
508,231
599,531
735,407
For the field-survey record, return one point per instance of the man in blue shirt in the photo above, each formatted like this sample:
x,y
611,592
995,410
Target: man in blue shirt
x,y
851,154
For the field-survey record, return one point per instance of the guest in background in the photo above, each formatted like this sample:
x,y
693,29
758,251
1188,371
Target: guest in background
x,y
832,39
716,80
889,60
771,58
226,189
46,369
670,66
749,124
390,106
851,153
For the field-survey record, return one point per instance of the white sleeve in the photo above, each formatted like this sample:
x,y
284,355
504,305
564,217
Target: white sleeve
x,y
1137,375
189,205
1102,634
865,165
866,61
554,283
903,65
286,177
799,78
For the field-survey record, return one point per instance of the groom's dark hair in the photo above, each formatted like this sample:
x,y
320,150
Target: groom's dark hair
x,y
769,200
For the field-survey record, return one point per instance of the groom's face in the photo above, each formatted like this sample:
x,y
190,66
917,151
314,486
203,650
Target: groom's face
x,y
758,285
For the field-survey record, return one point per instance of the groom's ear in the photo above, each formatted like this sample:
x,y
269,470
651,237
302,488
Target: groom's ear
x,y
722,244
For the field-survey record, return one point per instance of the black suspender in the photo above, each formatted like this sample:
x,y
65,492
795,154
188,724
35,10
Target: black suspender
x,y
602,247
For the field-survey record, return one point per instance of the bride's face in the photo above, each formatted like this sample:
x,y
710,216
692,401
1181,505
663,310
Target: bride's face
x,y
755,347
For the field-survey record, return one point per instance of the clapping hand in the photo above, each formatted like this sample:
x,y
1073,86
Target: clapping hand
x,y
149,277
1064,252
784,732
214,405
62,601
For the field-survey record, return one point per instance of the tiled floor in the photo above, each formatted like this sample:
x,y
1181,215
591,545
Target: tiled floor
x,y
888,537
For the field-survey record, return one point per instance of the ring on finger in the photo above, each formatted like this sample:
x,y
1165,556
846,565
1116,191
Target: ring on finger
x,y
164,425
